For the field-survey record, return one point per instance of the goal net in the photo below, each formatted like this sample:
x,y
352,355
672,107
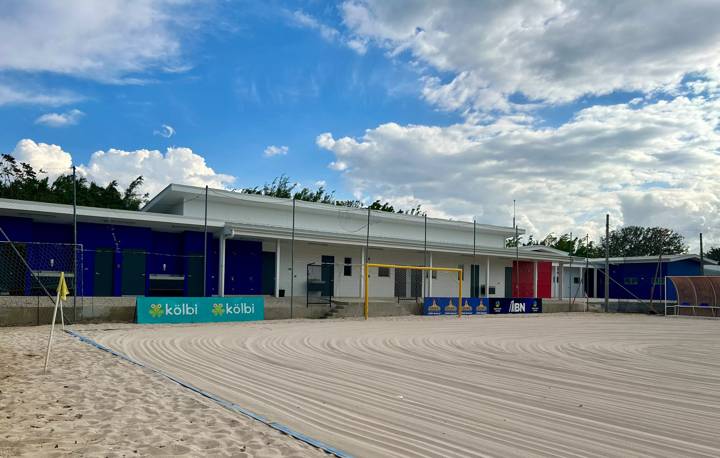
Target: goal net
x,y
33,268
384,282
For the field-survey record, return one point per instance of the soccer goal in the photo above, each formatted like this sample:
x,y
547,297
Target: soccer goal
x,y
429,281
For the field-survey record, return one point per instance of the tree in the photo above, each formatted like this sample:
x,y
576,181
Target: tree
x,y
644,241
19,180
281,187
713,253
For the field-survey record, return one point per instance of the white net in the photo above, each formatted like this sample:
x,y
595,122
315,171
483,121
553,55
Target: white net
x,y
33,269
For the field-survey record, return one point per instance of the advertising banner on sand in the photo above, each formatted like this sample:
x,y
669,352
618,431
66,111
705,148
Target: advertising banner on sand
x,y
448,306
199,309
515,305
479,306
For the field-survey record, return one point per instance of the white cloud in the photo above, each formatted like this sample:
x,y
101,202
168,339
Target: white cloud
x,y
50,158
273,150
177,165
328,33
165,131
69,118
14,95
552,51
108,40
651,164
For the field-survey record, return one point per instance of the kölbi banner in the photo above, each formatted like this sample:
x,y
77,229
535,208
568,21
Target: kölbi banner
x,y
199,309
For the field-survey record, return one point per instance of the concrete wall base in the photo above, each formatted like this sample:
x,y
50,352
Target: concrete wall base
x,y
29,311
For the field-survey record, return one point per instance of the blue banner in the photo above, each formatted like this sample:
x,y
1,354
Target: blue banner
x,y
515,305
448,306
199,309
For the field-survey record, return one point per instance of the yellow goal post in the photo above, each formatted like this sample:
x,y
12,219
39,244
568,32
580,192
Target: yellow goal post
x,y
397,266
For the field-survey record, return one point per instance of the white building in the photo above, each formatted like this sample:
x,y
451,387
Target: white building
x,y
256,247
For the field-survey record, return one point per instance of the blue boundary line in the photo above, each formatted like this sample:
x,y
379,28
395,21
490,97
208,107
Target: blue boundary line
x,y
224,403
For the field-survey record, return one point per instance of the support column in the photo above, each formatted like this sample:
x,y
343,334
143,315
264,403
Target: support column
x,y
487,277
221,270
595,282
277,268
560,280
363,258
535,279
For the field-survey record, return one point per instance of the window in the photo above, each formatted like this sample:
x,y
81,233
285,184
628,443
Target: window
x,y
434,274
576,280
482,290
631,281
383,272
347,268
492,290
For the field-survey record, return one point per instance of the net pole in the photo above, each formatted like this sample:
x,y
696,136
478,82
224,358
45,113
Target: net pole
x,y
367,238
607,262
75,269
205,246
292,260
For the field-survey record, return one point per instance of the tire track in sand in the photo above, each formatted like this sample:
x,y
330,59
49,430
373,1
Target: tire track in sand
x,y
562,385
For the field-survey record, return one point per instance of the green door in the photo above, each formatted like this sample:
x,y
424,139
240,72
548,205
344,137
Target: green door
x,y
268,273
133,273
103,281
474,280
327,274
195,276
508,281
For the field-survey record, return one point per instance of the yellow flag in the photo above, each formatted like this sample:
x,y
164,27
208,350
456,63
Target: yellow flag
x,y
62,288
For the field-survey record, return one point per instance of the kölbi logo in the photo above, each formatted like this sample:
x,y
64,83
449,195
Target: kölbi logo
x,y
183,309
516,307
239,309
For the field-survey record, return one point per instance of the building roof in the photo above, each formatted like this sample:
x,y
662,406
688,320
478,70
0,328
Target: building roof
x,y
174,194
62,214
580,262
157,216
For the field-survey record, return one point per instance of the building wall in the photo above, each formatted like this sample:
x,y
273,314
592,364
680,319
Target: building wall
x,y
165,252
633,280
345,221
173,253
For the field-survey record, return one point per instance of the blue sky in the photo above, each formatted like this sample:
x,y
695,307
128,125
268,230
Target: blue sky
x,y
262,80
572,109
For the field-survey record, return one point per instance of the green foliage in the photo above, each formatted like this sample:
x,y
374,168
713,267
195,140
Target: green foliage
x,y
281,187
713,253
644,241
19,180
624,241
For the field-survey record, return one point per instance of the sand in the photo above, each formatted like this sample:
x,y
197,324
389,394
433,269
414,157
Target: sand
x,y
560,385
94,404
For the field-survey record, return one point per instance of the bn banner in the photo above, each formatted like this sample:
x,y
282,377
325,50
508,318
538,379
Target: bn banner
x,y
199,309
515,305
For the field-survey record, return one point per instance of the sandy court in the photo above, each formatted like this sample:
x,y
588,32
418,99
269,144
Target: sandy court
x,y
562,385
94,404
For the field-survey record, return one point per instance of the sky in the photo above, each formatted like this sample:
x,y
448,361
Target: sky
x,y
573,109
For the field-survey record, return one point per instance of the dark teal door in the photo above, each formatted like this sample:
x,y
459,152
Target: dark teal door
x,y
195,276
133,273
103,281
508,281
268,273
327,275
474,280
